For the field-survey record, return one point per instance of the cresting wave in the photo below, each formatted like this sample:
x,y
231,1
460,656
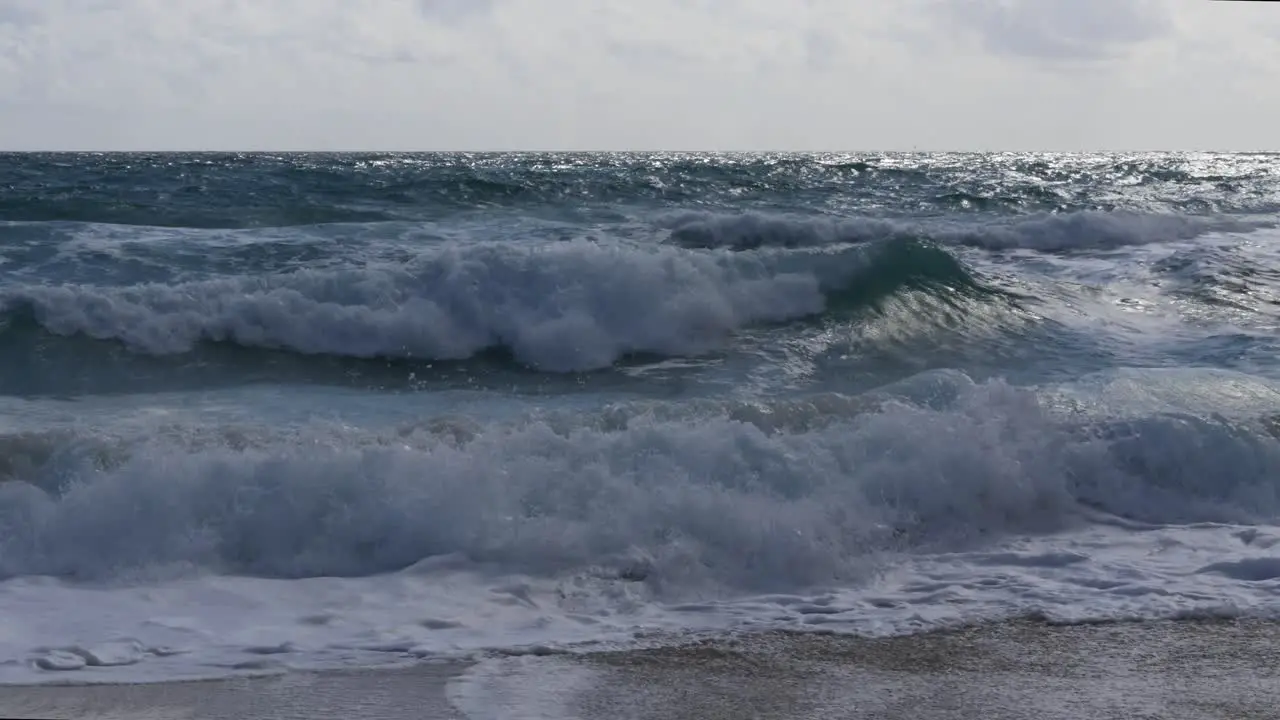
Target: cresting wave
x,y
567,306
717,501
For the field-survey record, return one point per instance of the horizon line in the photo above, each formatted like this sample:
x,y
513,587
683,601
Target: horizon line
x,y
512,151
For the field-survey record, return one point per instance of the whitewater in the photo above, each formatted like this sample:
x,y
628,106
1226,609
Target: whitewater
x,y
264,412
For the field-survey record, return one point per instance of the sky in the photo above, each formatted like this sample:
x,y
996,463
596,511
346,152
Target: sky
x,y
639,74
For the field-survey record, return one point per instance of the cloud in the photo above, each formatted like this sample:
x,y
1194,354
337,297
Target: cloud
x,y
822,49
455,11
19,13
584,74
1062,29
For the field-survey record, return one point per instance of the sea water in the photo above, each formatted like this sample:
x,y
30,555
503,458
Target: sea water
x,y
262,412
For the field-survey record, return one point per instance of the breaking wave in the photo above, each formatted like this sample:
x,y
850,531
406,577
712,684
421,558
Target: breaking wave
x,y
560,307
733,497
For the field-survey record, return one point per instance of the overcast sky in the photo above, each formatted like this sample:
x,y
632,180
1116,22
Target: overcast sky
x,y
639,74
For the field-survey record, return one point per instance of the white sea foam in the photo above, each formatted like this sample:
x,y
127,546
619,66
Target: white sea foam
x,y
561,306
722,497
216,626
706,499
940,501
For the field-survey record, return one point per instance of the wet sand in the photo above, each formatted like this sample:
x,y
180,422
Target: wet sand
x,y
417,692
1006,671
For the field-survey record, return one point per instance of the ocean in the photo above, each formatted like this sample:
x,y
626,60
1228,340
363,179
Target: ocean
x,y
271,412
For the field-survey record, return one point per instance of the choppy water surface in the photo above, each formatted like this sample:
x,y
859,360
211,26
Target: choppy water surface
x,y
263,411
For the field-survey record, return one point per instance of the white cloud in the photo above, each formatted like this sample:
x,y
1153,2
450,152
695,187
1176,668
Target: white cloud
x,y
622,73
455,11
1064,29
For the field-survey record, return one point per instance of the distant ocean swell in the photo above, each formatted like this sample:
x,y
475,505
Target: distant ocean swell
x,y
1064,232
209,190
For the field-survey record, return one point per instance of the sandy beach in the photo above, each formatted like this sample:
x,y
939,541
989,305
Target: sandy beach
x,y
1008,671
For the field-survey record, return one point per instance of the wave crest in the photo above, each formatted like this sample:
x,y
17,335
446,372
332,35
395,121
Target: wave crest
x,y
560,307
573,306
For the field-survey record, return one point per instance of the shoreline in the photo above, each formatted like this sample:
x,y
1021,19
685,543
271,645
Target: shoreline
x,y
1168,669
